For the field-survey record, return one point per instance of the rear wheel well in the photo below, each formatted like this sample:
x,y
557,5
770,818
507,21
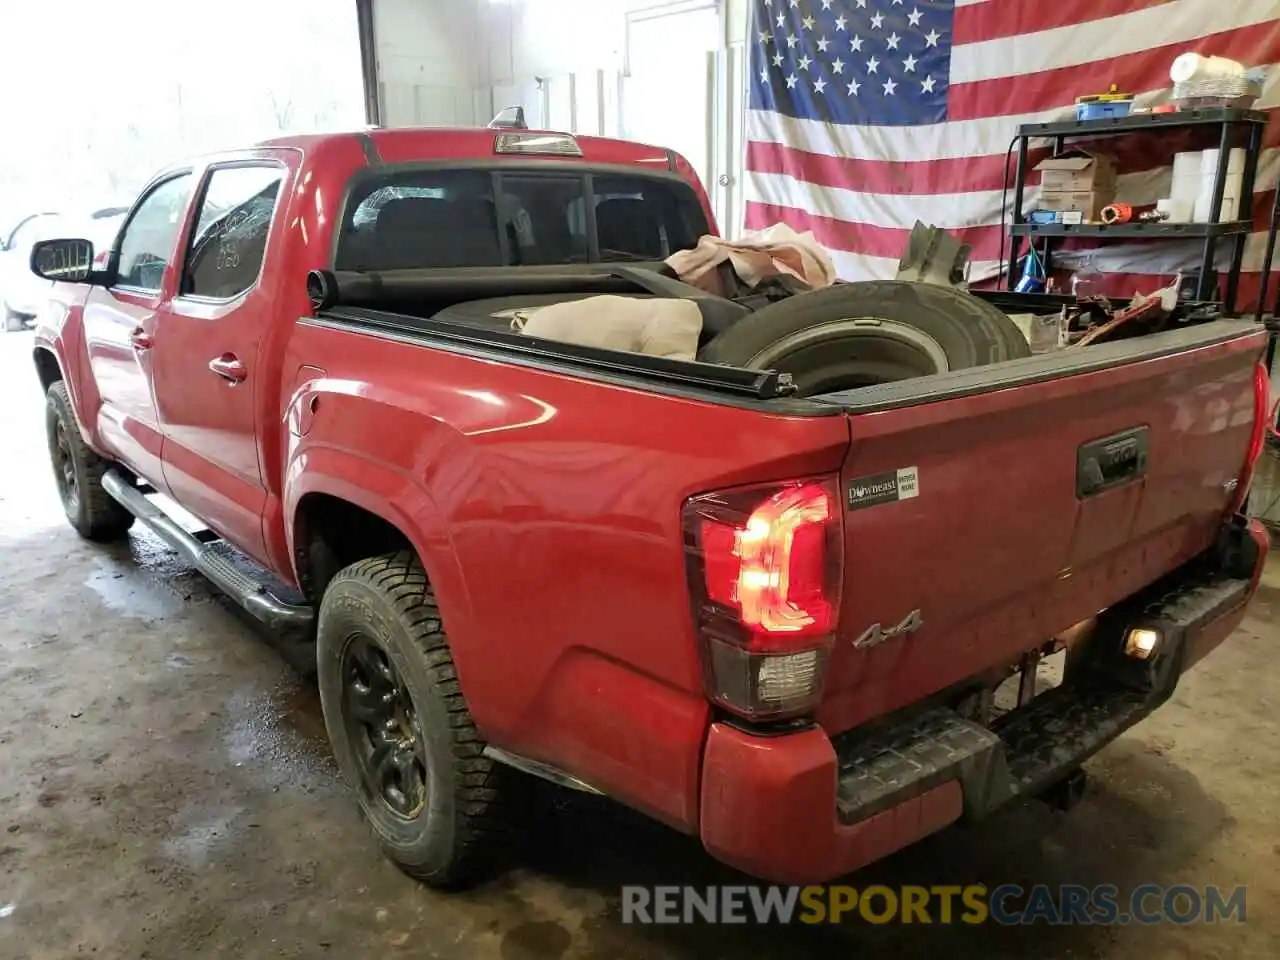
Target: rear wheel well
x,y
331,533
47,368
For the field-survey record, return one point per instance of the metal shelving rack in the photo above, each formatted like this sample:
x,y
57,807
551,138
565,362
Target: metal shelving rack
x,y
1236,124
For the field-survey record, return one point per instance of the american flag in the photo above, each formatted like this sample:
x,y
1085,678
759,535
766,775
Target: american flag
x,y
867,115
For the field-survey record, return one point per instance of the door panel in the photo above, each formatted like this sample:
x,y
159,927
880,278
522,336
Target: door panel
x,y
120,326
122,370
206,363
210,449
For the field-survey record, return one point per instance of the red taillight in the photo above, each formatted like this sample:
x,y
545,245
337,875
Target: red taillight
x,y
1258,438
764,566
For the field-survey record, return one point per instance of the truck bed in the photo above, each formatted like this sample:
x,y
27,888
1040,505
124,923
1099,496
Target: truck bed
x,y
579,460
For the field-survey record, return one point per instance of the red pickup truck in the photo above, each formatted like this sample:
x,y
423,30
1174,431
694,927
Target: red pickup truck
x,y
770,617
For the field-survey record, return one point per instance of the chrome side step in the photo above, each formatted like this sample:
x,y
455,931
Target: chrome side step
x,y
539,769
255,594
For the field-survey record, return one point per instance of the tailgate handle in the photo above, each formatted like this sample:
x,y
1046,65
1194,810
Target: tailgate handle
x,y
1111,461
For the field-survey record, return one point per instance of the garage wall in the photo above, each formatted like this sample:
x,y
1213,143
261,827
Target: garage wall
x,y
555,36
428,71
668,72
563,61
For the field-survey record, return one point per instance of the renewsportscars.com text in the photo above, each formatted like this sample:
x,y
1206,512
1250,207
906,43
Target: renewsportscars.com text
x,y
1007,904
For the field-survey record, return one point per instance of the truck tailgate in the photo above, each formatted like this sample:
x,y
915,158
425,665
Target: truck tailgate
x,y
988,510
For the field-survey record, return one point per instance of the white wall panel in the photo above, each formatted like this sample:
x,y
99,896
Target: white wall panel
x,y
433,61
737,17
552,37
560,101
669,88
656,70
588,89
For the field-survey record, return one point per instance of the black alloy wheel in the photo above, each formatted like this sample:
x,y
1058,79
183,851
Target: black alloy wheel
x,y
64,469
402,733
382,723
78,473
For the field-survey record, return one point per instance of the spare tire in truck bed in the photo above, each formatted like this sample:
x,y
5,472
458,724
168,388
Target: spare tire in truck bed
x,y
858,334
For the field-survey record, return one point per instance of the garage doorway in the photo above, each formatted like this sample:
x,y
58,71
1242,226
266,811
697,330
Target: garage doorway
x,y
670,81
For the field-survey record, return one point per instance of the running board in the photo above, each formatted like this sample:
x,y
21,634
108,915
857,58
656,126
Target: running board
x,y
539,769
254,593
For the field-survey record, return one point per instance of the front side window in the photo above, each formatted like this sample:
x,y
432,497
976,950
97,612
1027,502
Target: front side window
x,y
413,219
230,239
146,246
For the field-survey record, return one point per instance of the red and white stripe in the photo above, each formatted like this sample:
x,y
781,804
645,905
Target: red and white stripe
x,y
860,189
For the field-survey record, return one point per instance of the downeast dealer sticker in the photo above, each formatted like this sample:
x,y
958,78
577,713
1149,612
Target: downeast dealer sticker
x,y
884,488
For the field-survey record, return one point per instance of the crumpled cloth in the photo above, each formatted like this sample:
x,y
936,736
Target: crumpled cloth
x,y
655,326
777,250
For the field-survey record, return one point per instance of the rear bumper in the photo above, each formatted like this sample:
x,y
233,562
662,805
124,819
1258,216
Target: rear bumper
x,y
800,808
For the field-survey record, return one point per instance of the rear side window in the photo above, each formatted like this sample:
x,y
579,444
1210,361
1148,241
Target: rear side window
x,y
479,218
230,239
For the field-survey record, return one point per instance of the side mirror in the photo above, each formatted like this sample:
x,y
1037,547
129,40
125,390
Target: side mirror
x,y
65,261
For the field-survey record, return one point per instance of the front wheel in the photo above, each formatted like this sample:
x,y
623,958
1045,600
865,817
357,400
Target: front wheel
x,y
78,472
400,728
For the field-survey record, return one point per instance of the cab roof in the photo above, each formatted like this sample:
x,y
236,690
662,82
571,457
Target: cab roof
x,y
405,145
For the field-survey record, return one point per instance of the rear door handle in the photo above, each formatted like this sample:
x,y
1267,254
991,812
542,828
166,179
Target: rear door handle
x,y
229,368
140,339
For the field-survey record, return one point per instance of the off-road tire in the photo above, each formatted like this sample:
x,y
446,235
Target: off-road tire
x,y
879,331
469,807
78,472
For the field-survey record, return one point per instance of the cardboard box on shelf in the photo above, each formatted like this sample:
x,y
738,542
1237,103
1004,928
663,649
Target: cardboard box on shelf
x,y
1076,171
1087,203
1077,181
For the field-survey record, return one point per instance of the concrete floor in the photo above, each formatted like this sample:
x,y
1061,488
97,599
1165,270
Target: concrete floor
x,y
166,792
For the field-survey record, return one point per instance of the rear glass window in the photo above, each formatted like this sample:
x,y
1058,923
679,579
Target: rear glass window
x,y
470,218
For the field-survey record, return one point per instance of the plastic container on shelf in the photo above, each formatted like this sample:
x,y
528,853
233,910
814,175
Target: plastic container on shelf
x,y
1215,93
1086,281
1209,161
1100,109
1178,209
1204,204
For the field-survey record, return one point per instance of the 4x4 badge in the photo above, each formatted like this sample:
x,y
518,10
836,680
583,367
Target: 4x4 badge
x,y
877,634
